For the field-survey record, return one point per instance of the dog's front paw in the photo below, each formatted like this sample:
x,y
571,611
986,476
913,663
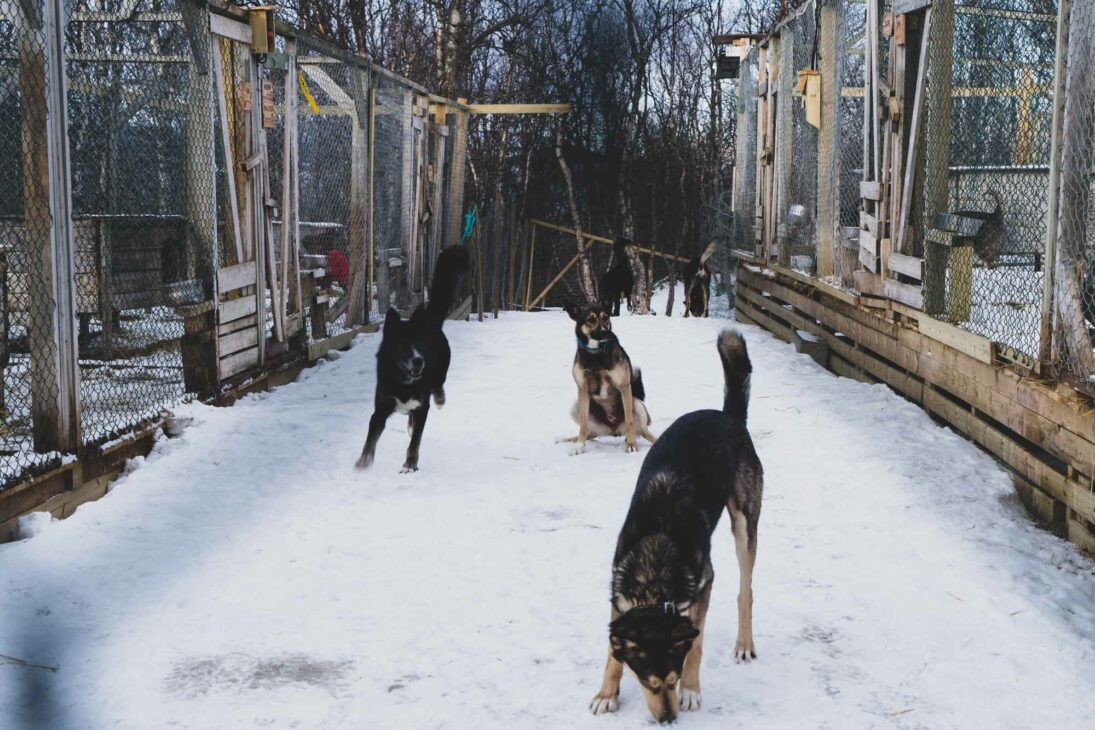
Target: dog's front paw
x,y
631,445
602,704
744,651
689,699
579,449
439,397
408,468
363,462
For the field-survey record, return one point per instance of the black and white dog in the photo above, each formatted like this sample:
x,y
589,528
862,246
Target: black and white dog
x,y
661,573
618,281
697,282
413,359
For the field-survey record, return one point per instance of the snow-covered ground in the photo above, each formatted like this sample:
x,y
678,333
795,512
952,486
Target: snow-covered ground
x,y
245,576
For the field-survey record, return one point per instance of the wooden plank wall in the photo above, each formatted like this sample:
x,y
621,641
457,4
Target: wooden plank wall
x,y
1042,431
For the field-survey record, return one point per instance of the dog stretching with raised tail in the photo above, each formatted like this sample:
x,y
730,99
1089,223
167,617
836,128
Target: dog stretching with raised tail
x,y
661,572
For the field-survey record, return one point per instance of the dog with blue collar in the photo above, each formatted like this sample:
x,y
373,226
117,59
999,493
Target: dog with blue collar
x,y
611,396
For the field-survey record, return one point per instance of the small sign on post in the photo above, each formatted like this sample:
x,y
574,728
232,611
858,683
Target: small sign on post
x,y
269,118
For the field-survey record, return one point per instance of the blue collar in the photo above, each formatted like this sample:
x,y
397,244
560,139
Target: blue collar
x,y
595,350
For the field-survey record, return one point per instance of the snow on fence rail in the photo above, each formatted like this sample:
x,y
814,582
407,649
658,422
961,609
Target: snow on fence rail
x,y
961,188
179,213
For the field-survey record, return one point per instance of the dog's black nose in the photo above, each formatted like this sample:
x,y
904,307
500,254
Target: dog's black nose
x,y
417,363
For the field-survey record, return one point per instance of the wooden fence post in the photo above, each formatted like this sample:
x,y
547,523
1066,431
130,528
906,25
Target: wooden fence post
x,y
937,141
454,217
51,305
828,142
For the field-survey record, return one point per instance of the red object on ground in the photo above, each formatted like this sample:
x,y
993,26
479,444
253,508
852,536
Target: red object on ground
x,y
338,268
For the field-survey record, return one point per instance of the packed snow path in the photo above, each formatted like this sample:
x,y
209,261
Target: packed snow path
x,y
245,576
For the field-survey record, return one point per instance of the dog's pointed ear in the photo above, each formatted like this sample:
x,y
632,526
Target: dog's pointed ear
x,y
392,320
684,633
573,310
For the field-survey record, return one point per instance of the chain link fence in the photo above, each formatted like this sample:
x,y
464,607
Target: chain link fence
x,y
982,227
129,203
27,229
1073,301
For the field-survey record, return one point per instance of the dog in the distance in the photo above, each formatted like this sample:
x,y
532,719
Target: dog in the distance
x,y
697,282
661,573
610,390
618,281
413,359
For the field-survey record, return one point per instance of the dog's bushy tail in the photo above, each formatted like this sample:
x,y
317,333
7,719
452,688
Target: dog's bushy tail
x,y
637,388
452,263
736,370
709,252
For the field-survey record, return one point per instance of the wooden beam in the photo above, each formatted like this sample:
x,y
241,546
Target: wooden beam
x,y
518,108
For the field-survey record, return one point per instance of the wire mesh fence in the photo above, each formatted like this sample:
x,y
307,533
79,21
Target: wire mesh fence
x,y
986,176
142,207
1073,305
27,229
190,211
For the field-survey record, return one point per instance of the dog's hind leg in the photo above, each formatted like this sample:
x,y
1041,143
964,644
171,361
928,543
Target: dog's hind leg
x,y
608,698
444,357
745,545
642,421
384,408
418,425
629,416
689,698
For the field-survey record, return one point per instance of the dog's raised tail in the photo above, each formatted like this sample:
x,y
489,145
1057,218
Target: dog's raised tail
x,y
709,252
452,263
736,370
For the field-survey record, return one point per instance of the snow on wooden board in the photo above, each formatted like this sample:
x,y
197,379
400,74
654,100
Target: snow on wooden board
x,y
245,576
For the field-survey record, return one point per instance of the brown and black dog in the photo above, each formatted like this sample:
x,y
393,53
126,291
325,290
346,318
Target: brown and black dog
x,y
697,282
610,390
661,572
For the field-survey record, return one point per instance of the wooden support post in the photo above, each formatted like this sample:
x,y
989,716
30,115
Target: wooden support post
x,y
232,195
828,168
937,141
371,252
1045,334
454,217
198,343
51,305
761,166
357,233
784,147
290,169
407,224
1077,133
256,203
528,274
498,215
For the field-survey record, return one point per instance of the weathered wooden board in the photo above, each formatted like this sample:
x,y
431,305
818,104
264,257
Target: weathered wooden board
x,y
235,308
976,346
237,363
227,328
243,339
870,190
909,266
869,260
904,293
236,277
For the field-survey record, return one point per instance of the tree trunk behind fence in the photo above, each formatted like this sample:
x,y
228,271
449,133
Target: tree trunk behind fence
x,y
586,281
